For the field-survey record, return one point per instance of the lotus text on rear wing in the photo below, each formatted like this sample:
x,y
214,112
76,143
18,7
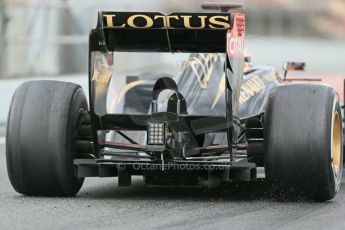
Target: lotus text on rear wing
x,y
172,21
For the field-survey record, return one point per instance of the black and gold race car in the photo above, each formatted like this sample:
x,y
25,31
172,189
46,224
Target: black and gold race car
x,y
192,116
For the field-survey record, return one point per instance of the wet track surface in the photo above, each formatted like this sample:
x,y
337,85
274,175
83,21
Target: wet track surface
x,y
102,205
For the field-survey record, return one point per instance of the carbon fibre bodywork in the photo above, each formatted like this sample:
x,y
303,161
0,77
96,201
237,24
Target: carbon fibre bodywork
x,y
212,108
257,83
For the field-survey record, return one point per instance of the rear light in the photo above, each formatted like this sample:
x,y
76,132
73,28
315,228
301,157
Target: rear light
x,y
155,133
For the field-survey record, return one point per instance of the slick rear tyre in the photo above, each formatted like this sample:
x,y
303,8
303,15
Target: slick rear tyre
x,y
40,138
303,141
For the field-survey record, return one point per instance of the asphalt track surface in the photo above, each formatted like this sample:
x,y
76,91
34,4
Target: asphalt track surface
x,y
102,205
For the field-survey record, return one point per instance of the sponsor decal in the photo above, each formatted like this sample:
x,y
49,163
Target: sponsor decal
x,y
235,46
250,88
235,37
160,21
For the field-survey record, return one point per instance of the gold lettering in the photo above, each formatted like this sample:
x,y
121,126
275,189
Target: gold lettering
x,y
259,83
214,22
149,21
243,95
217,23
109,21
186,20
250,88
243,98
166,19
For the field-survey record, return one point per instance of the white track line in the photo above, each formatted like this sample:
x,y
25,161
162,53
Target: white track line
x,y
2,140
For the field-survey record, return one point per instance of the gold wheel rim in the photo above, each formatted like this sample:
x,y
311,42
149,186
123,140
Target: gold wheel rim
x,y
336,144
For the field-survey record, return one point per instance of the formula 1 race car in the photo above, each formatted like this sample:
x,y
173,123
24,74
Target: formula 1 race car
x,y
206,118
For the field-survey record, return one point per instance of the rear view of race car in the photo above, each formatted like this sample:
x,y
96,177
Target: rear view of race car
x,y
193,134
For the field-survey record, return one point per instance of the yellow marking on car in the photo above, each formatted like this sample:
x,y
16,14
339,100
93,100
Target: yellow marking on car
x,y
220,91
101,77
250,88
118,20
101,81
207,66
116,99
128,87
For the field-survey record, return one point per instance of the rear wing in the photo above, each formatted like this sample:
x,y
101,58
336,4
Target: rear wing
x,y
155,32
